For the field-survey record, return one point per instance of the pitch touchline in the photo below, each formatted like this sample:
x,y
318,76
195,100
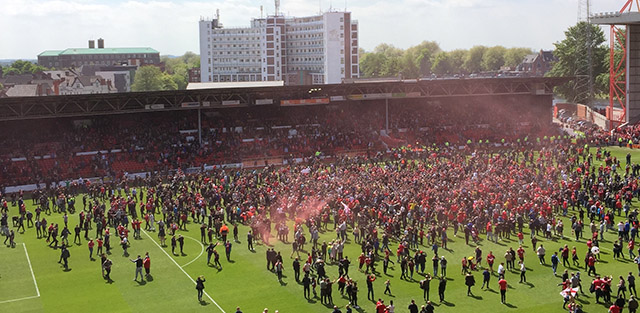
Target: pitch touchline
x,y
174,262
199,255
31,268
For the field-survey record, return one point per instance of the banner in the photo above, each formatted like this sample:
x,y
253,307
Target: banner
x,y
304,102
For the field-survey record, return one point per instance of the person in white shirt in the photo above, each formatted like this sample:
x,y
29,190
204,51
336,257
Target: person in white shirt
x,y
501,269
541,252
523,272
391,308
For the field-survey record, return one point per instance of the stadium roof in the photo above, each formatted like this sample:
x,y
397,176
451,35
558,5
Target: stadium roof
x,y
226,85
23,108
89,51
616,18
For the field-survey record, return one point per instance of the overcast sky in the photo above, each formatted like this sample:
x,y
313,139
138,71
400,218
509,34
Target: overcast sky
x,y
28,27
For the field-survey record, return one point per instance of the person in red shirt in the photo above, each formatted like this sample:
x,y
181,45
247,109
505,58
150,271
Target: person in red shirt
x,y
100,243
147,265
361,259
565,256
380,307
520,238
597,286
520,252
503,289
614,309
591,262
490,259
91,244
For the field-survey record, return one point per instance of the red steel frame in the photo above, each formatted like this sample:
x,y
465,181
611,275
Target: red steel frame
x,y
617,71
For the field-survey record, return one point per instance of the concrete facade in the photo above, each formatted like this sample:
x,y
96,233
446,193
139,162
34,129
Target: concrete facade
x,y
321,49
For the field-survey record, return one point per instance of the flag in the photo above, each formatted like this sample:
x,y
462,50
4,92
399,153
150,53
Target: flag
x,y
569,292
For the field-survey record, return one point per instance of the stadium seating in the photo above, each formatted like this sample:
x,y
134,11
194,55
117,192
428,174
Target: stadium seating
x,y
63,149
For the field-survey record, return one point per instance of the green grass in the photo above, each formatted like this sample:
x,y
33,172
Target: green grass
x,y
16,275
245,282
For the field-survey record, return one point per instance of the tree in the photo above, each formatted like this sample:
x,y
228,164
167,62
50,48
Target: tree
x,y
371,64
456,60
178,68
180,81
392,66
20,67
572,52
388,50
493,58
191,59
392,59
168,83
473,59
514,56
410,65
427,57
11,71
441,64
148,78
419,59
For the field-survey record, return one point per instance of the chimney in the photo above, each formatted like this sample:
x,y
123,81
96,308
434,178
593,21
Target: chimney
x,y
100,43
92,44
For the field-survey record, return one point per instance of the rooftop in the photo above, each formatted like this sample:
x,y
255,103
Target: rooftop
x,y
23,91
227,85
89,51
50,53
616,18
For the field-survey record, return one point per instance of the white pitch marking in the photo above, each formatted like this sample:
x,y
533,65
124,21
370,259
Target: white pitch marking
x,y
31,268
174,262
33,276
199,255
16,300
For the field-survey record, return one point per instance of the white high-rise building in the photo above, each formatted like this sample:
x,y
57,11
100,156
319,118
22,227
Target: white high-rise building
x,y
321,49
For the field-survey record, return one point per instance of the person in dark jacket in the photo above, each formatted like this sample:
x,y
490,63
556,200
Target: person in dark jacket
x,y
469,280
138,261
200,286
64,255
413,307
633,304
442,286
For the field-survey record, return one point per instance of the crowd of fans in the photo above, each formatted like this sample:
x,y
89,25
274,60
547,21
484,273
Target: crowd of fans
x,y
415,196
418,197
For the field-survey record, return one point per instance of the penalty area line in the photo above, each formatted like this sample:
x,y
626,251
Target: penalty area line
x,y
16,300
183,271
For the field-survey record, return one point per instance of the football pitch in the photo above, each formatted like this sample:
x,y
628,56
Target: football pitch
x,y
32,280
